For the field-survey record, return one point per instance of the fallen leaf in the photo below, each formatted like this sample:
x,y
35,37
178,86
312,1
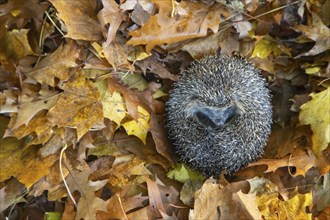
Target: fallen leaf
x,y
318,32
39,124
17,44
190,20
112,15
88,203
80,19
11,194
316,112
115,55
139,128
26,166
27,111
183,173
321,193
216,201
122,172
271,207
77,107
159,135
56,64
300,159
114,107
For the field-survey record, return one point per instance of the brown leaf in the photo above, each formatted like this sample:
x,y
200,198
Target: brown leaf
x,y
300,159
80,19
159,134
152,64
318,32
216,201
56,64
88,203
190,20
124,168
112,15
115,55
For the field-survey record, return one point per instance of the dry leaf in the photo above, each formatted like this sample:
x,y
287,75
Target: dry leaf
x,y
317,113
77,107
190,20
80,19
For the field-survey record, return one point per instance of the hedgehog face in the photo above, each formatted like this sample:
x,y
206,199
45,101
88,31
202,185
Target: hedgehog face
x,y
219,115
212,117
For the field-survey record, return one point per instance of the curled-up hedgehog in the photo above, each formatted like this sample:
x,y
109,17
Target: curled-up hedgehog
x,y
219,115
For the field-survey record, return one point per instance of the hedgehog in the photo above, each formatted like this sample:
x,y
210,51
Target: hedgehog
x,y
219,115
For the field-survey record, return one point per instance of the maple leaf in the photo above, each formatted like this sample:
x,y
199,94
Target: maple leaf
x,y
318,32
80,19
191,20
316,112
88,203
302,160
77,107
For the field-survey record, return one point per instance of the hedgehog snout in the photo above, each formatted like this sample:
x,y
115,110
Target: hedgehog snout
x,y
213,117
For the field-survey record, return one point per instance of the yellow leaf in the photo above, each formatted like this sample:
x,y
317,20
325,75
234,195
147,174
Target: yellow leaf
x,y
271,207
313,70
262,48
25,165
17,44
114,107
265,47
140,127
317,113
98,49
78,107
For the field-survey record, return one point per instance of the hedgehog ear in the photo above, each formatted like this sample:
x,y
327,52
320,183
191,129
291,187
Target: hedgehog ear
x,y
214,117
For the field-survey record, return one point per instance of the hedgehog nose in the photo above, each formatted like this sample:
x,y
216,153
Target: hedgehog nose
x,y
214,117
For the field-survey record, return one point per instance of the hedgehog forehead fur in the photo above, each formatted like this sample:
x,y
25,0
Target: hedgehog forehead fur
x,y
219,114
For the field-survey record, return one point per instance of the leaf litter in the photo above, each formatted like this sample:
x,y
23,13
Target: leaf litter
x,y
83,89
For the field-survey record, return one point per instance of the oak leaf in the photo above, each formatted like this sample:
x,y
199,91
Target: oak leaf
x,y
190,20
318,32
88,203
